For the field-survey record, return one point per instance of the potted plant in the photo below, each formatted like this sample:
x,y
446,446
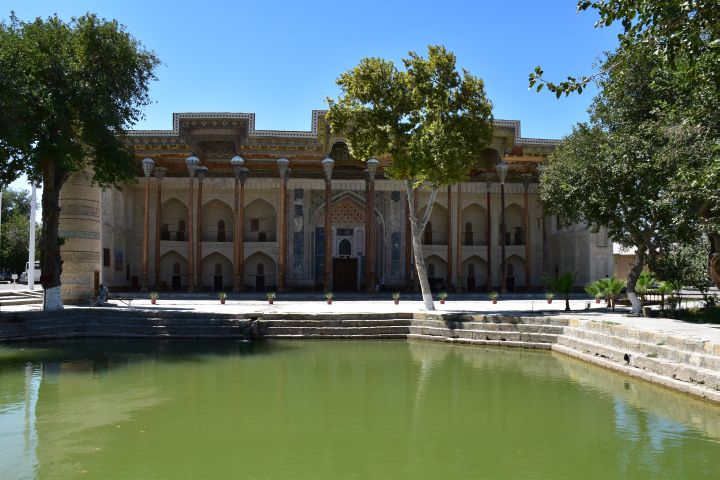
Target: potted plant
x,y
153,297
442,296
222,296
329,297
396,297
271,297
493,296
598,297
549,296
593,289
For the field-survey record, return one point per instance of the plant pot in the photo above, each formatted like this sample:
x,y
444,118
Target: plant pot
x,y
222,301
270,302
549,300
597,300
153,300
396,302
329,302
442,301
494,301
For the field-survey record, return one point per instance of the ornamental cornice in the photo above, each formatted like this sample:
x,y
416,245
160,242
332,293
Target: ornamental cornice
x,y
211,121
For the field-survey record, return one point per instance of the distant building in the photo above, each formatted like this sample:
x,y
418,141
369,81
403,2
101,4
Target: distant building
x,y
199,238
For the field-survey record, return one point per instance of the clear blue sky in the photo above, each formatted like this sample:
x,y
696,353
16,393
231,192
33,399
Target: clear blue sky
x,y
280,59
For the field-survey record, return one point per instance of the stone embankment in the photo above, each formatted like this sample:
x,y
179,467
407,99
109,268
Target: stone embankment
x,y
679,362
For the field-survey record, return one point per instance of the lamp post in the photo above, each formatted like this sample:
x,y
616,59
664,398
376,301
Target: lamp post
x,y
502,169
372,165
201,172
237,163
327,165
147,165
160,173
284,171
192,164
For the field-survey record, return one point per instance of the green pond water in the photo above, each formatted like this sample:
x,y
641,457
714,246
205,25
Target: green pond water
x,y
337,410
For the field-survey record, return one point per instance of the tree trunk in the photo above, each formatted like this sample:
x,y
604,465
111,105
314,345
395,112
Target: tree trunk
x,y
50,261
416,228
567,302
714,259
632,277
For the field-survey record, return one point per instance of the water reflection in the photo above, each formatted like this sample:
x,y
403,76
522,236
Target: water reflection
x,y
418,410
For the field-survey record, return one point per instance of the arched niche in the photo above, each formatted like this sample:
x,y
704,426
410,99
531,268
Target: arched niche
x,y
174,216
217,221
514,225
260,272
474,273
210,277
173,271
515,268
259,222
436,230
474,225
437,272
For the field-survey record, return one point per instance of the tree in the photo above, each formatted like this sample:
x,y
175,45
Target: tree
x,y
626,168
15,233
431,120
562,285
68,91
683,36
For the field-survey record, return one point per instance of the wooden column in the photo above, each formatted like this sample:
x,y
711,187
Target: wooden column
x,y
366,277
146,234
240,259
327,235
408,244
191,238
458,252
370,247
282,227
488,283
201,172
159,175
236,238
503,277
526,184
449,240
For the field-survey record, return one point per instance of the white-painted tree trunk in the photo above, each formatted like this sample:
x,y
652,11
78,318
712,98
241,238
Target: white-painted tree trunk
x,y
633,275
52,300
416,228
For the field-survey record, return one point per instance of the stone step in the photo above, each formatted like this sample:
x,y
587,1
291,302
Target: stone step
x,y
20,300
384,336
677,370
680,343
484,335
329,322
473,341
661,350
481,318
321,330
498,327
336,316
691,388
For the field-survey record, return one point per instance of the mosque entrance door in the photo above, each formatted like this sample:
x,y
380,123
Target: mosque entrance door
x,y
345,274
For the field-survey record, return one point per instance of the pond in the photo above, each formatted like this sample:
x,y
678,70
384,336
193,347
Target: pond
x,y
132,409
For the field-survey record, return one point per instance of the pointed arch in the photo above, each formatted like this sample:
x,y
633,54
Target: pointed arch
x,y
474,273
173,270
174,215
259,221
474,222
260,272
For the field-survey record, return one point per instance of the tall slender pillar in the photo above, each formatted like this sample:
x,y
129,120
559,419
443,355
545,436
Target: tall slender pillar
x,y
160,173
408,244
449,240
282,220
366,176
526,184
488,233
327,165
502,169
370,247
147,165
458,250
192,163
201,173
240,173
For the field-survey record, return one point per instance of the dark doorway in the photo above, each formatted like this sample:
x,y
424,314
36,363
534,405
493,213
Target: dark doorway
x,y
345,274
471,284
510,278
260,278
218,278
176,278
